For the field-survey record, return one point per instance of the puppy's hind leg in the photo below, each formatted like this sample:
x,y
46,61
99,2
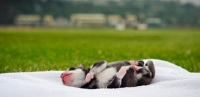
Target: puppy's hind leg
x,y
117,79
120,74
151,67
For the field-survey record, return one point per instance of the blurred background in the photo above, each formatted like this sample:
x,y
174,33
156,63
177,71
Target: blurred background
x,y
121,14
40,35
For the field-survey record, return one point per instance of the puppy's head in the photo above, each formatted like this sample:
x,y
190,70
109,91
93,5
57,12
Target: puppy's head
x,y
74,77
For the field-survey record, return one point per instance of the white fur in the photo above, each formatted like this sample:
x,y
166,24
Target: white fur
x,y
139,76
105,76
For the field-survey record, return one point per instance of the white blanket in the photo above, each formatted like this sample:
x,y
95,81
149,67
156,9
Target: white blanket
x,y
170,81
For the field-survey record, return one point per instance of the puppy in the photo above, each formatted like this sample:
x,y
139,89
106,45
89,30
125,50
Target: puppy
x,y
109,75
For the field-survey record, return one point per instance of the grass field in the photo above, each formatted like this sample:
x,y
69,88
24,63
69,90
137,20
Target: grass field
x,y
41,49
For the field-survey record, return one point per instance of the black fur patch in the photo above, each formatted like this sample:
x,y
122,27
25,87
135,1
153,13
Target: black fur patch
x,y
91,85
72,68
140,63
115,83
129,80
98,64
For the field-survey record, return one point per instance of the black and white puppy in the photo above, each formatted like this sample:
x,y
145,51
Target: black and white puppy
x,y
110,75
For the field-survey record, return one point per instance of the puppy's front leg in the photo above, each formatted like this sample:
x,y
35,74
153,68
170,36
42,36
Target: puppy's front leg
x,y
95,69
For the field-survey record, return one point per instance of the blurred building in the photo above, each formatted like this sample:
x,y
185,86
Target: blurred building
x,y
154,22
88,20
131,20
141,26
61,22
28,20
116,21
48,20
34,20
113,20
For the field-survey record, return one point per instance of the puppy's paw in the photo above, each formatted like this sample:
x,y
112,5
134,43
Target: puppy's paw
x,y
136,68
89,76
134,65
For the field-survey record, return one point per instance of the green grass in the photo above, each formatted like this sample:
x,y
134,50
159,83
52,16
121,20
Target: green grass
x,y
40,49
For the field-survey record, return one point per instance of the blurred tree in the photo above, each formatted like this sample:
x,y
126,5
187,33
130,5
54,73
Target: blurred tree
x,y
172,13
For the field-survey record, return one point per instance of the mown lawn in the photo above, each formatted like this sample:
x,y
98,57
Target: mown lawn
x,y
41,49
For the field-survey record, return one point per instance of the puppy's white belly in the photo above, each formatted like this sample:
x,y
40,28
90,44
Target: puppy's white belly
x,y
104,77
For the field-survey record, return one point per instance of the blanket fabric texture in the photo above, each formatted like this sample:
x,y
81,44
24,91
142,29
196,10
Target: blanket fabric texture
x,y
170,81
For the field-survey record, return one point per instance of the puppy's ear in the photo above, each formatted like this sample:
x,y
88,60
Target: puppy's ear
x,y
81,66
